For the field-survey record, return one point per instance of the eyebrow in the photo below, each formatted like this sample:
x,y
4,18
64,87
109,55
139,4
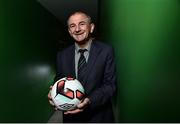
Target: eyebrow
x,y
84,20
81,22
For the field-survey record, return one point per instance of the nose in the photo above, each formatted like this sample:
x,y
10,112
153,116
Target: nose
x,y
77,29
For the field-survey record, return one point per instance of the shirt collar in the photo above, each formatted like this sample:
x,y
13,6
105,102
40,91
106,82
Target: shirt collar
x,y
88,46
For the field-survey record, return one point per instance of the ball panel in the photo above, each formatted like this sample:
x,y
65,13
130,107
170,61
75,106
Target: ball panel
x,y
79,95
60,86
69,93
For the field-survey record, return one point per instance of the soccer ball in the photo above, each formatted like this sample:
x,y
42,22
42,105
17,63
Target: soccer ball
x,y
67,93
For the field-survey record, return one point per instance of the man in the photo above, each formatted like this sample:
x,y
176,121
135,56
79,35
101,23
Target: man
x,y
97,71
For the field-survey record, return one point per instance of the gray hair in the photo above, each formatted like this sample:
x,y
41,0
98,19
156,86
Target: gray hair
x,y
80,12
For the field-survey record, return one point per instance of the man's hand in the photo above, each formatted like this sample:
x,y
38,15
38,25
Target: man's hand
x,y
80,107
50,98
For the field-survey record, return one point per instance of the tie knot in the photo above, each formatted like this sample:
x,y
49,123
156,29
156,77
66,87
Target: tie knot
x,y
82,51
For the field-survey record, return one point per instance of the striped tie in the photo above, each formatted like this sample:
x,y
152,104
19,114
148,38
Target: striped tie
x,y
81,65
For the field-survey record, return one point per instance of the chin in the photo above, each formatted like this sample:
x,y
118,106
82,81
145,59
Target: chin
x,y
81,42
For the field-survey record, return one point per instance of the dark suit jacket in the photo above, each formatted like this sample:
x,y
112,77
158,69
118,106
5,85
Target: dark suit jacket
x,y
99,82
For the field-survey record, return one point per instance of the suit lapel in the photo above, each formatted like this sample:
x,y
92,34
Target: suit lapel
x,y
94,52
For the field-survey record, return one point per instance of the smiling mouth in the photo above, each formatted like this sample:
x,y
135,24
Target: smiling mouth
x,y
78,33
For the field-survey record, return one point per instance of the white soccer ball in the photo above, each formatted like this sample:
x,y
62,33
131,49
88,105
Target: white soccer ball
x,y
67,93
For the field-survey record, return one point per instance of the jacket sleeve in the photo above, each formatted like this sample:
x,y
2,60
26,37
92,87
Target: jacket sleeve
x,y
58,67
103,94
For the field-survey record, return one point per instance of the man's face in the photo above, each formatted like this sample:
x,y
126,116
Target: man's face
x,y
80,28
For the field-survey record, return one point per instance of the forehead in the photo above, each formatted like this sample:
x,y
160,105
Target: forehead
x,y
77,17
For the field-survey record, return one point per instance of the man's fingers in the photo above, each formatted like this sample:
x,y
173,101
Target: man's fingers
x,y
53,105
81,105
80,108
66,113
84,103
74,111
56,108
49,96
51,102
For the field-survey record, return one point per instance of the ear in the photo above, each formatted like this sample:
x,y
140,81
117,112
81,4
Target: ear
x,y
69,32
92,27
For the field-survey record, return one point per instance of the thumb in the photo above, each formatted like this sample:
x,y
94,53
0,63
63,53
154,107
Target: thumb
x,y
84,103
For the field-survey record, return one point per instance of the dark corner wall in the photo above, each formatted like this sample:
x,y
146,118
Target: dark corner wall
x,y
29,40
145,35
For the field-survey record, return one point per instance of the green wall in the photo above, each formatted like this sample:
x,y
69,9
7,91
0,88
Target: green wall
x,y
145,35
29,37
